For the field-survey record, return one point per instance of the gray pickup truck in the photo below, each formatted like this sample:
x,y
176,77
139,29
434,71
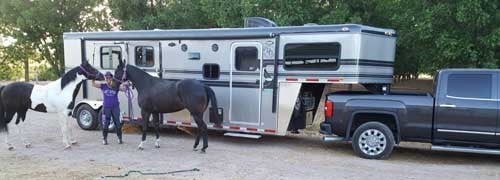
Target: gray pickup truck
x,y
461,115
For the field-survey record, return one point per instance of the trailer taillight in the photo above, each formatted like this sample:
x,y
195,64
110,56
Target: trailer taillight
x,y
328,108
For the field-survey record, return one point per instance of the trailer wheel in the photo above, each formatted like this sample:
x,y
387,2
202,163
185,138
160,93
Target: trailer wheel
x,y
373,140
87,118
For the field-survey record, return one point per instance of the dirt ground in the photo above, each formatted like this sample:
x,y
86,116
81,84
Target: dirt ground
x,y
292,157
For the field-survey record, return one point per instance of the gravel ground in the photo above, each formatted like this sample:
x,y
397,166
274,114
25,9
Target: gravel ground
x,y
292,157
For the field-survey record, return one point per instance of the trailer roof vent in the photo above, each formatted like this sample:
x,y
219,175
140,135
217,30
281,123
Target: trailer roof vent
x,y
258,22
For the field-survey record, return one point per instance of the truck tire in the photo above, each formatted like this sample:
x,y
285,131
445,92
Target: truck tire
x,y
373,140
87,118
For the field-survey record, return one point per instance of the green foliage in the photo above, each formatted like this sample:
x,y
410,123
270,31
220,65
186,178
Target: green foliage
x,y
38,26
431,34
45,73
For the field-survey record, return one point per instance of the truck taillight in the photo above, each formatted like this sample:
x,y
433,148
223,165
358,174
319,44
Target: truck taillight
x,y
328,108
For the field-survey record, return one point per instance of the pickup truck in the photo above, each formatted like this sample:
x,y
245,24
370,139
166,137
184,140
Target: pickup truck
x,y
461,115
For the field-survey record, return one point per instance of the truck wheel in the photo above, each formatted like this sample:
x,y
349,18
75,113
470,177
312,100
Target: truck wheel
x,y
87,118
373,140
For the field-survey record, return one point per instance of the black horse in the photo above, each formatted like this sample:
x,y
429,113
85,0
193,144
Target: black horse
x,y
57,96
157,96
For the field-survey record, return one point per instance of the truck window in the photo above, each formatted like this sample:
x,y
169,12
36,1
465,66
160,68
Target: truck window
x,y
110,56
144,56
312,56
246,59
470,86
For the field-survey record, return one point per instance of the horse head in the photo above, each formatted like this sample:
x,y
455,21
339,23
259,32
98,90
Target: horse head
x,y
90,72
121,72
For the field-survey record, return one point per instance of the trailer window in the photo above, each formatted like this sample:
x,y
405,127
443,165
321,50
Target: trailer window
x,y
312,56
470,86
246,59
144,56
211,71
110,56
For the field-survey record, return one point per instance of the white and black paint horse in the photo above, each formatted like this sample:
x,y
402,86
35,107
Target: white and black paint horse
x,y
57,96
157,96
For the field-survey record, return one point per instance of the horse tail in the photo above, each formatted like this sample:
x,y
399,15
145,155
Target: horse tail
x,y
3,124
213,111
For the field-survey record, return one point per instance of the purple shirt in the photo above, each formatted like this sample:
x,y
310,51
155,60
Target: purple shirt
x,y
110,96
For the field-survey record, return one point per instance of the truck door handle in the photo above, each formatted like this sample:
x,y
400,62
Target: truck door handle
x,y
447,105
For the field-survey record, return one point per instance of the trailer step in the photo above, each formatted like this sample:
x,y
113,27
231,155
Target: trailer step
x,y
251,136
466,149
332,139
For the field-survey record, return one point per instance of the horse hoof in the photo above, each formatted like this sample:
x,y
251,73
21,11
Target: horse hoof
x,y
28,145
10,148
157,146
195,149
140,148
203,151
74,142
68,147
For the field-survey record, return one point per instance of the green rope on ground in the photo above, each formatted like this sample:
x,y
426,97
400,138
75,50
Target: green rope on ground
x,y
150,173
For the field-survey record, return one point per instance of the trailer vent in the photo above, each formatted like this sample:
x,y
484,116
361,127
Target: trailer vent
x,y
211,71
258,22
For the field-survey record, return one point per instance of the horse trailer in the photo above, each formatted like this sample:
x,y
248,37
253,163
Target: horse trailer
x,y
259,74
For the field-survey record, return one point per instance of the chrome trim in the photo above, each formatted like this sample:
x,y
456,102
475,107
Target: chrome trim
x,y
465,149
447,105
466,98
467,132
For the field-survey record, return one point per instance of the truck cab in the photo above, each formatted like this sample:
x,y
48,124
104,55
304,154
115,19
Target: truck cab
x,y
460,115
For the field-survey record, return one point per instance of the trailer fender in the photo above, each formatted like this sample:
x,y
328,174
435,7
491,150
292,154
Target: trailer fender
x,y
96,105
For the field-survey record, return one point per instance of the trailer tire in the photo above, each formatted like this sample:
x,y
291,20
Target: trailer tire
x,y
87,118
373,140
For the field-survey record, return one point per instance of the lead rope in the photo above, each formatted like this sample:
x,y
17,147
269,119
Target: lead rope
x,y
150,173
130,96
129,93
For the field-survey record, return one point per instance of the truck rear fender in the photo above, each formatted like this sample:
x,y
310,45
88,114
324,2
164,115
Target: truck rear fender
x,y
385,117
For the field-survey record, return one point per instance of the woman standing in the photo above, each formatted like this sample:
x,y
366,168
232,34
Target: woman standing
x,y
111,107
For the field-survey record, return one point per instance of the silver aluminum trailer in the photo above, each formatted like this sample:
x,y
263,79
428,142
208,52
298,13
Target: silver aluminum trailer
x,y
257,73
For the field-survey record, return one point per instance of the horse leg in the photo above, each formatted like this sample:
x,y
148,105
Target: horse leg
x,y
145,119
202,131
71,138
64,130
21,116
156,123
197,141
8,118
10,147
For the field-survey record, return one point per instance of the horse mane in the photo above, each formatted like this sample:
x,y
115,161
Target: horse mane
x,y
69,77
144,76
138,70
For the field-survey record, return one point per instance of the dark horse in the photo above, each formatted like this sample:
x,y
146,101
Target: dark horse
x,y
157,96
57,96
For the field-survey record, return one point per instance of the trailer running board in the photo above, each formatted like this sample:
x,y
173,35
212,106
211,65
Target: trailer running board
x,y
466,149
250,136
332,138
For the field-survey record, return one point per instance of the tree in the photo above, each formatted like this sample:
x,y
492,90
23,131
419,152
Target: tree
x,y
431,34
39,25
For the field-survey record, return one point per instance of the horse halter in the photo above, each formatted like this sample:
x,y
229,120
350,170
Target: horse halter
x,y
87,72
124,75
